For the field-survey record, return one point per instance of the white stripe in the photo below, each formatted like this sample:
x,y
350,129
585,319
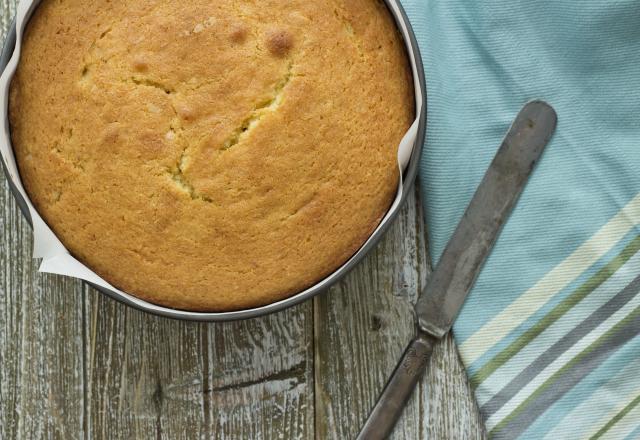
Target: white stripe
x,y
624,426
559,329
558,278
561,361
609,399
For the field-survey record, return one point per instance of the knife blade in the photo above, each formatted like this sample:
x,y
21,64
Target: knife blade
x,y
463,257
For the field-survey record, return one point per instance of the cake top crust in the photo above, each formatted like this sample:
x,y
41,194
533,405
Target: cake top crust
x,y
213,156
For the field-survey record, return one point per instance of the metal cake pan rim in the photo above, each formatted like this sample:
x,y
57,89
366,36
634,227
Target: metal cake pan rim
x,y
323,285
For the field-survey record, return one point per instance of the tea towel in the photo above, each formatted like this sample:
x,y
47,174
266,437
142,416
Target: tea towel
x,y
550,333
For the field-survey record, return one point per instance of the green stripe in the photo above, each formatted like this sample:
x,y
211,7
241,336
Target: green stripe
x,y
556,313
594,346
616,419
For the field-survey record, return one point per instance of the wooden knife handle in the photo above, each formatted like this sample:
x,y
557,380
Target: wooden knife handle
x,y
397,391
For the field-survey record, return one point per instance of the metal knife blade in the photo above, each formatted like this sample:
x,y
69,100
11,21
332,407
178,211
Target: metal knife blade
x,y
463,257
480,226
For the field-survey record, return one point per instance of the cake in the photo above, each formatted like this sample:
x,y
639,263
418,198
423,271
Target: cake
x,y
211,156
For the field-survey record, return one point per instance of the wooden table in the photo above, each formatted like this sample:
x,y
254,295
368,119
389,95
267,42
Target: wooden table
x,y
74,364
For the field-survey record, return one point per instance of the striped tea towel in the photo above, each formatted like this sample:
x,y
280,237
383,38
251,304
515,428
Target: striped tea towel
x,y
549,334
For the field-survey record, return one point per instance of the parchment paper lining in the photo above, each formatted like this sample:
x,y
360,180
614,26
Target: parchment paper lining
x,y
46,246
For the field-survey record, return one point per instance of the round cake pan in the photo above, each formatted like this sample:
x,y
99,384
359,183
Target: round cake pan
x,y
409,176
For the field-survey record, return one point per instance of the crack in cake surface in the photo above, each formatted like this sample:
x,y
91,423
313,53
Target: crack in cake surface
x,y
175,134
270,105
151,83
181,181
259,110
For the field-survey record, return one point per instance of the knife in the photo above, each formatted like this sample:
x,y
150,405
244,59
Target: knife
x,y
463,257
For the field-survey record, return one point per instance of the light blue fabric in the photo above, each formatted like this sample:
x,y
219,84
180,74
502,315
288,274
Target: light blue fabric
x,y
483,60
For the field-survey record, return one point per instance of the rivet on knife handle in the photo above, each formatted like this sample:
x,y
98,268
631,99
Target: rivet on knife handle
x,y
462,259
399,388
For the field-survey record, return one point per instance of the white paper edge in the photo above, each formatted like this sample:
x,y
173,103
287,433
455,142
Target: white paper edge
x,y
56,259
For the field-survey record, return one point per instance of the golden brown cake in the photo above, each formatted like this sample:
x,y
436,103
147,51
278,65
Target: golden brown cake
x,y
211,155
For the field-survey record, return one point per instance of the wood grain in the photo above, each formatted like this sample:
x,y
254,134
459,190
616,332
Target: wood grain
x,y
153,377
75,364
41,374
362,328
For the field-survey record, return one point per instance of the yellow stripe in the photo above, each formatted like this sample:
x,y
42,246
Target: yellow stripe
x,y
557,279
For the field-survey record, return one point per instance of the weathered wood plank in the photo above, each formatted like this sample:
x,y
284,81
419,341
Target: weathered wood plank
x,y
260,381
451,411
363,326
154,377
41,323
41,346
146,376
144,373
10,318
